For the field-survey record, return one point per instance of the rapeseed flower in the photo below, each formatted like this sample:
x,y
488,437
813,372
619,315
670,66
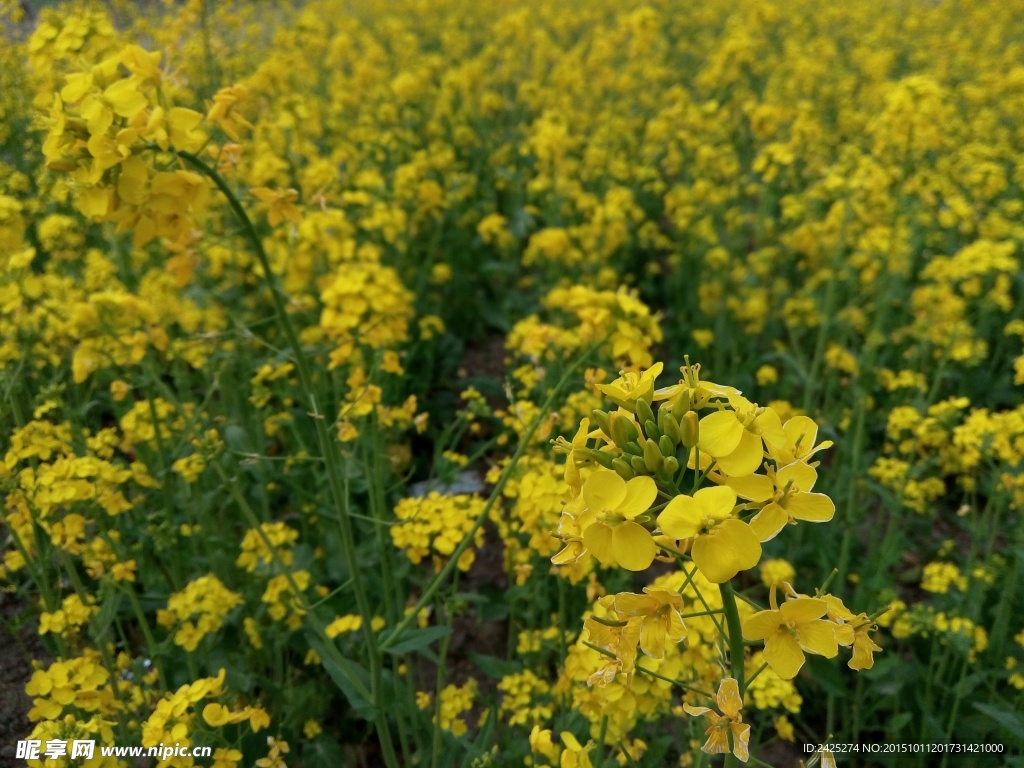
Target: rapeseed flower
x,y
723,545
609,524
791,630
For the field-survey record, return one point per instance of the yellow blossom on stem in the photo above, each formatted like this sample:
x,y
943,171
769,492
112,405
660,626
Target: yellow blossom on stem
x,y
280,204
723,545
788,496
729,722
575,755
632,386
734,437
797,626
609,526
661,617
801,432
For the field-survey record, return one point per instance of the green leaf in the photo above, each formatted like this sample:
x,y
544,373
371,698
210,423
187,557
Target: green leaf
x,y
899,722
493,666
343,672
1007,719
418,640
110,599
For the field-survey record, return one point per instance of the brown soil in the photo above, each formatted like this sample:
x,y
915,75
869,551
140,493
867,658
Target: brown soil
x,y
19,644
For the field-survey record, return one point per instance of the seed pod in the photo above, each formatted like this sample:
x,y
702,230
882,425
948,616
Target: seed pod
x,y
652,456
652,430
689,429
623,469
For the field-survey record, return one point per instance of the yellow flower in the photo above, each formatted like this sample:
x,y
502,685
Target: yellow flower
x,y
569,532
632,386
721,725
280,204
575,756
662,619
223,112
619,639
311,729
789,631
864,646
274,757
801,432
217,715
610,530
788,492
691,393
541,743
733,437
578,445
723,545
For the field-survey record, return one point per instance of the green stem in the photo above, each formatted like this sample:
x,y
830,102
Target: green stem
x,y
732,622
339,489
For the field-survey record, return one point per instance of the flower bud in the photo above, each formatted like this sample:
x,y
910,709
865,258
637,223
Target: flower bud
x,y
633,449
643,411
618,433
671,465
689,429
668,423
601,418
652,456
601,457
667,447
652,430
638,464
623,469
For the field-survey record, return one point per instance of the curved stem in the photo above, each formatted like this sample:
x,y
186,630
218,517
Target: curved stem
x,y
339,489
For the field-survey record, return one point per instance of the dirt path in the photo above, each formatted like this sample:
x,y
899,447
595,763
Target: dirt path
x,y
17,648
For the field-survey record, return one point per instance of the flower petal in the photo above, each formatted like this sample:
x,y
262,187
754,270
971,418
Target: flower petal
x,y
746,458
760,625
728,697
681,519
802,476
716,502
696,711
640,494
769,426
720,433
752,487
652,638
819,636
598,539
812,507
783,654
802,609
741,741
713,558
633,546
769,521
743,540
604,490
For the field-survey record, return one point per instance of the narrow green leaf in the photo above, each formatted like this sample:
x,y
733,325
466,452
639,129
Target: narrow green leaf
x,y
418,639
